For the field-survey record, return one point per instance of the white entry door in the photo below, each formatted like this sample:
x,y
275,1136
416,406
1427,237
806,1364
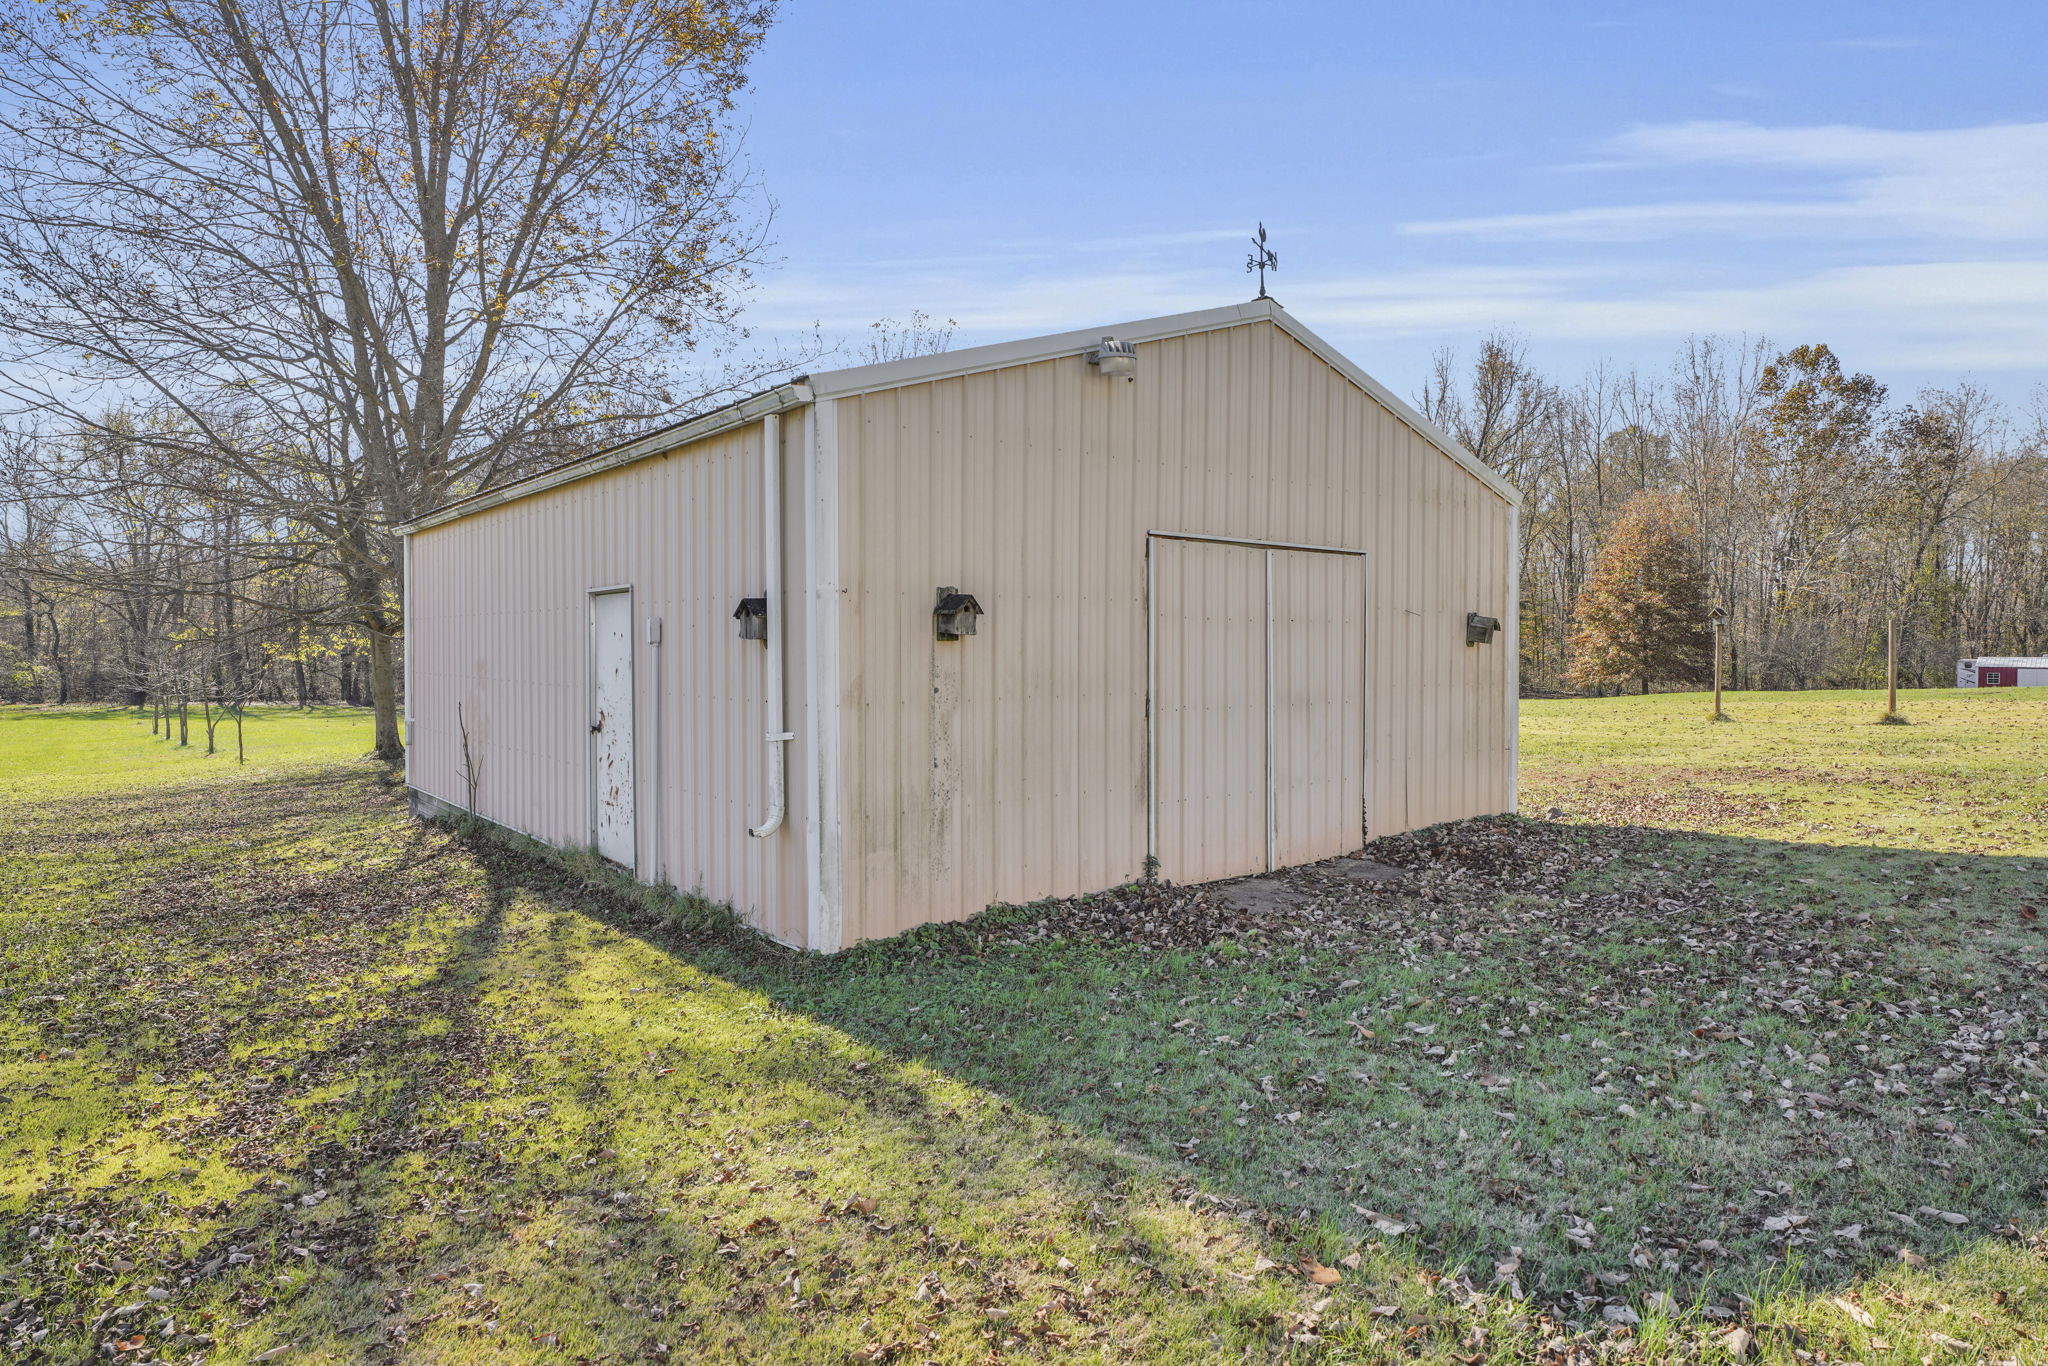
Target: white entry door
x,y
1258,707
611,725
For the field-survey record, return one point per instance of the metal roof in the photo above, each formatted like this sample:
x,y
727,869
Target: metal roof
x,y
861,379
2008,662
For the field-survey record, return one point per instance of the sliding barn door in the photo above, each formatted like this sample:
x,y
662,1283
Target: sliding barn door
x,y
1258,707
1318,753
1209,709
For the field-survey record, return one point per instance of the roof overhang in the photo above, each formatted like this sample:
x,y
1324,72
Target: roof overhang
x,y
780,399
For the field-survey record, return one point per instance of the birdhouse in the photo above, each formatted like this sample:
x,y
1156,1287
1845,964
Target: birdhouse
x,y
955,614
1479,630
752,615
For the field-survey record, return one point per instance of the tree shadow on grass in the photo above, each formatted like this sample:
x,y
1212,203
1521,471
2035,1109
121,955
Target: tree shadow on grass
x,y
408,1104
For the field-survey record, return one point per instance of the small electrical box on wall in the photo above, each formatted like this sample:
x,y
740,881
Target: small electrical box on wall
x,y
1479,630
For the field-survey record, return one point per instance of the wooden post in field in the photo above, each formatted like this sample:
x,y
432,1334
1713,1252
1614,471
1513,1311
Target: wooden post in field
x,y
1717,666
1891,664
1715,618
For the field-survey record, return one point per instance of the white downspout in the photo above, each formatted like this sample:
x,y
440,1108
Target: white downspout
x,y
771,549
405,651
660,878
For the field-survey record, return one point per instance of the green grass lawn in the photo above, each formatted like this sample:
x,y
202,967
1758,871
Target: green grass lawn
x,y
1969,774
1732,1050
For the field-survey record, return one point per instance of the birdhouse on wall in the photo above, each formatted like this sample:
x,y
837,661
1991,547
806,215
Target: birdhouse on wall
x,y
752,615
1479,630
955,615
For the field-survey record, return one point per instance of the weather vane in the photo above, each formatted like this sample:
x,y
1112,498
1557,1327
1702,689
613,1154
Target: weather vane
x,y
1262,259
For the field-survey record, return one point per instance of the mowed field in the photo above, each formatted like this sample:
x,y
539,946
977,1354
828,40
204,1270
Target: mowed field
x,y
1730,1049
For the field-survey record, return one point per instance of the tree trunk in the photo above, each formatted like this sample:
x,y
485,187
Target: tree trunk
x,y
384,698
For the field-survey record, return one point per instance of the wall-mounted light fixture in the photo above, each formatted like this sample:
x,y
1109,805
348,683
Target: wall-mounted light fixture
x,y
752,615
955,615
1479,630
1115,359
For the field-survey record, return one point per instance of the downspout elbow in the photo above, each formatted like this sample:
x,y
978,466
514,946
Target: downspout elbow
x,y
778,787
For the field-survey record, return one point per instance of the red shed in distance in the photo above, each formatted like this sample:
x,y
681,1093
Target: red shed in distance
x,y
2003,671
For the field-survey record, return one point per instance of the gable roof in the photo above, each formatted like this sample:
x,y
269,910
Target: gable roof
x,y
862,379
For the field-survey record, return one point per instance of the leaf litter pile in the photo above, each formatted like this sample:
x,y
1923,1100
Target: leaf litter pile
x,y
291,1079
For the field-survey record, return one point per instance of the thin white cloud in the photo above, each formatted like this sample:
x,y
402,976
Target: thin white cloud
x,y
1942,316
1026,284
1950,230
1936,316
1987,184
986,306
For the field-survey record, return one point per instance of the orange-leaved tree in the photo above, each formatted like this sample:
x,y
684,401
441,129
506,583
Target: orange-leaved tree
x,y
1642,616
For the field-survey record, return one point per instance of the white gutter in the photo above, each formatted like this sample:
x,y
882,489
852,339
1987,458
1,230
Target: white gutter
x,y
771,552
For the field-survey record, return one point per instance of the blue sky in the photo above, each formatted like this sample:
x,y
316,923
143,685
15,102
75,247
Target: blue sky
x,y
1603,179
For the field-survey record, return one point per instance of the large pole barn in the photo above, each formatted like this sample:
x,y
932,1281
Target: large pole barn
x,y
1193,597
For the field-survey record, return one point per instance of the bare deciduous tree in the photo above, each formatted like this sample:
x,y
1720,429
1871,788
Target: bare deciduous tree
x,y
363,256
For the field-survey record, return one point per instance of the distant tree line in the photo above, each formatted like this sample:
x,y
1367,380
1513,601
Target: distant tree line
x,y
1777,488
1792,494
115,587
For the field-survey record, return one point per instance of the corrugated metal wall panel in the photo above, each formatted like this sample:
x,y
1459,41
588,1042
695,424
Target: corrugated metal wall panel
x,y
1021,751
501,625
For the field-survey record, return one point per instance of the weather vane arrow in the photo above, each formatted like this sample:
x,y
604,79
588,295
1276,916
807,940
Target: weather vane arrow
x,y
1262,259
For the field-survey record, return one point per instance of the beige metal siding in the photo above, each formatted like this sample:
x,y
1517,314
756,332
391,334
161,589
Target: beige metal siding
x,y
1012,766
500,623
